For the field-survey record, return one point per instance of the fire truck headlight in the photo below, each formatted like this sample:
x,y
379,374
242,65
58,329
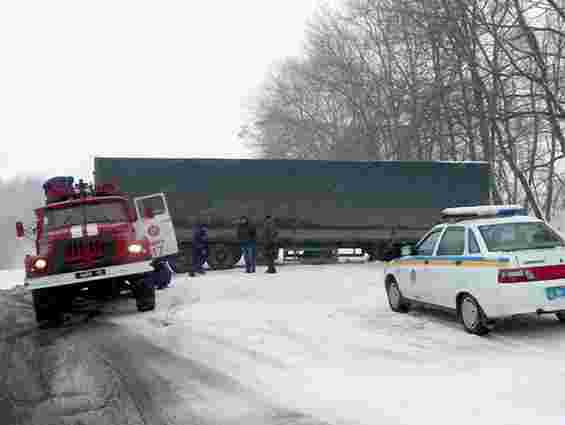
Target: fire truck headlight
x,y
40,264
135,248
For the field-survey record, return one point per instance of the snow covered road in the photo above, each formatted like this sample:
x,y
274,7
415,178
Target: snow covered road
x,y
312,344
321,340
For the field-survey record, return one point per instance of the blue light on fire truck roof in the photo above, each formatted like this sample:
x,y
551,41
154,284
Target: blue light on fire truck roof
x,y
485,211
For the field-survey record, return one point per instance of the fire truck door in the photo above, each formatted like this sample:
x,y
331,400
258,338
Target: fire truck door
x,y
156,223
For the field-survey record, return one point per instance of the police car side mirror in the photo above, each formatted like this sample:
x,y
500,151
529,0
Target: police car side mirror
x,y
407,250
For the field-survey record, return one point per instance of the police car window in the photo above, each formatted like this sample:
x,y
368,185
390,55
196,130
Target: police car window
x,y
452,242
426,247
519,236
473,244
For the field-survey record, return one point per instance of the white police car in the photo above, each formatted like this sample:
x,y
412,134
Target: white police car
x,y
485,263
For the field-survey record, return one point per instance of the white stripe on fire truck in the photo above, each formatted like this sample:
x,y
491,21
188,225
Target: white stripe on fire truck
x,y
76,231
92,229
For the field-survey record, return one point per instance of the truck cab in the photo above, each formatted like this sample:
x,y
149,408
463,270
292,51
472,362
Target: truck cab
x,y
95,238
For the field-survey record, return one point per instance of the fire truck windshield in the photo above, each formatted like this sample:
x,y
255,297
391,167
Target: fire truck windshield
x,y
101,212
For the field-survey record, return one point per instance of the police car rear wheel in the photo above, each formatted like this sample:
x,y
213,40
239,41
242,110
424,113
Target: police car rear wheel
x,y
395,299
472,316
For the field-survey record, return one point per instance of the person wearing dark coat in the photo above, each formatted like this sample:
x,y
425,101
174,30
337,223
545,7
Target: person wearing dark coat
x,y
247,236
270,234
199,248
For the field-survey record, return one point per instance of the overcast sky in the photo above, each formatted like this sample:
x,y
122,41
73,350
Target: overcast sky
x,y
152,78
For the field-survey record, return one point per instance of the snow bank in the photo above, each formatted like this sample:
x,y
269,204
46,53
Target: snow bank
x,y
11,278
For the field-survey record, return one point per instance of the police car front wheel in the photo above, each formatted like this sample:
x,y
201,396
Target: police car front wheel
x,y
395,299
472,316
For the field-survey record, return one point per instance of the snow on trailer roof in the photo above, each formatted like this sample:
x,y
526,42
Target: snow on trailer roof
x,y
484,211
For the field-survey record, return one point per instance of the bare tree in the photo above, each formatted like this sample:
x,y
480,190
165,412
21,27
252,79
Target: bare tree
x,y
428,79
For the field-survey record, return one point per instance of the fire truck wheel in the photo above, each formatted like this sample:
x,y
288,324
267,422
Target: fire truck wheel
x,y
46,305
222,256
144,293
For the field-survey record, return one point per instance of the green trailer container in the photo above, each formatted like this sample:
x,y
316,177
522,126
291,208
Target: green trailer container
x,y
374,205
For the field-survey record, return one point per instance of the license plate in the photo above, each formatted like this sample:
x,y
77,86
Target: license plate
x,y
90,273
555,292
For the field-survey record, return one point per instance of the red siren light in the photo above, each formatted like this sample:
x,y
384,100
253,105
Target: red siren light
x,y
58,189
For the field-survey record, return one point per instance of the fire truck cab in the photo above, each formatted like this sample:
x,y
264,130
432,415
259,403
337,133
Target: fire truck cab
x,y
94,238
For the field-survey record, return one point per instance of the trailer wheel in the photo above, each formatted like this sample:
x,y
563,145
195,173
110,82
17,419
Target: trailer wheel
x,y
46,303
222,256
260,257
391,252
237,254
375,252
144,292
182,262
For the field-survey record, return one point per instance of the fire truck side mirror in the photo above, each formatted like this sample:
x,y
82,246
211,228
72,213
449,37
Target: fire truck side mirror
x,y
148,213
20,232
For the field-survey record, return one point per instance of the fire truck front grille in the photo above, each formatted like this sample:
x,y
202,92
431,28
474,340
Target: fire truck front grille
x,y
83,249
81,253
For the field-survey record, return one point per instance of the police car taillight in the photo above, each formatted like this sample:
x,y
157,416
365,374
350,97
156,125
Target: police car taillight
x,y
516,275
530,274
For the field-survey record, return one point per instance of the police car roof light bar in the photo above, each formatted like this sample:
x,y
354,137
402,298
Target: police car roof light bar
x,y
484,211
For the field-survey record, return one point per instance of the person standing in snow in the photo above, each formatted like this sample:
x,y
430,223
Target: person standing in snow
x,y
247,236
199,247
270,234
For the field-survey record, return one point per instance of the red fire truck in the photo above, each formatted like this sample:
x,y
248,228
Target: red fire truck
x,y
96,239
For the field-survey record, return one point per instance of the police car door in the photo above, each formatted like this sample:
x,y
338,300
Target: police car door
x,y
156,224
419,271
448,272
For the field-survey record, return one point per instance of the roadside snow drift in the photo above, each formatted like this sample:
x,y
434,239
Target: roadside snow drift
x,y
11,278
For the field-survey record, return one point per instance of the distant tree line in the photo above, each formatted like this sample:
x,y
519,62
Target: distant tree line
x,y
428,79
19,197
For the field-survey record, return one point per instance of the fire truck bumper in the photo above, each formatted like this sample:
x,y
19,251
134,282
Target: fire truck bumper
x,y
83,276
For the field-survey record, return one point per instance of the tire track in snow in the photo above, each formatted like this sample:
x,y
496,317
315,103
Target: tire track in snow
x,y
169,389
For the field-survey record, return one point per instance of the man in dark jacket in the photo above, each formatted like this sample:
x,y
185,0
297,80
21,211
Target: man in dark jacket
x,y
247,235
199,247
270,234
